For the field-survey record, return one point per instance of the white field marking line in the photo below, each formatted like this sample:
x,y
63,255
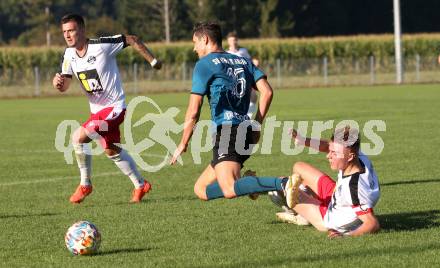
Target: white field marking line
x,y
55,179
53,151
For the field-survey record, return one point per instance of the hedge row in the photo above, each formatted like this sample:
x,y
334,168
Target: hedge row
x,y
381,46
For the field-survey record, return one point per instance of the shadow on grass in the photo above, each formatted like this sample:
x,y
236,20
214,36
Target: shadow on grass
x,y
409,221
123,250
408,182
329,256
15,216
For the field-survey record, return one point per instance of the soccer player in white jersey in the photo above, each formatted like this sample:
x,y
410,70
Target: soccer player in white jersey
x,y
344,207
93,63
235,49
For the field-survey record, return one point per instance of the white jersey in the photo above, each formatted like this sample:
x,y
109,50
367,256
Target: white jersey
x,y
98,72
354,195
242,52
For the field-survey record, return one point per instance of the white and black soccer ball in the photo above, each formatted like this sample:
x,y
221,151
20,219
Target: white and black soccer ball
x,y
83,238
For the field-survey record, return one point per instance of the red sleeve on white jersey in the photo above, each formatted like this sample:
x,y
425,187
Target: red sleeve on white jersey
x,y
362,210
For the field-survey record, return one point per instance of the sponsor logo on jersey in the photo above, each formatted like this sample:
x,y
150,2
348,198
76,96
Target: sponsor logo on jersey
x,y
91,59
90,81
229,115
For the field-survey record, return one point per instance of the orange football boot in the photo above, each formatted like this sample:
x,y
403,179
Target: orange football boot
x,y
80,194
140,192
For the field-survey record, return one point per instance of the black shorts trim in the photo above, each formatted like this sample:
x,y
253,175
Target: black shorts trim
x,y
197,94
230,153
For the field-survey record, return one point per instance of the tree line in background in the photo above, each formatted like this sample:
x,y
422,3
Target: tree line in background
x,y
267,50
27,22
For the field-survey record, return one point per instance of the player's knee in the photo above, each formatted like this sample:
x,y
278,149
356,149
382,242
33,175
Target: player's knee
x,y
112,150
200,192
298,167
80,136
76,137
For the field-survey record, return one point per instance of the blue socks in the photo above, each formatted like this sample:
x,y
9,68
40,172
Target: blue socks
x,y
213,191
248,185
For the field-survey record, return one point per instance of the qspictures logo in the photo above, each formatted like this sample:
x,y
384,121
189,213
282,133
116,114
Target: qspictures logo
x,y
164,126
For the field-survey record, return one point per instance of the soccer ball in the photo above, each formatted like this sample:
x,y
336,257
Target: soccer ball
x,y
83,238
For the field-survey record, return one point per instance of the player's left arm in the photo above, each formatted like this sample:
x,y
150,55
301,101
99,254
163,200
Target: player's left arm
x,y
266,95
140,47
191,118
370,225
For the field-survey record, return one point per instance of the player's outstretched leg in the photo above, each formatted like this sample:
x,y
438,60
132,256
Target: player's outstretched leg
x,y
127,165
230,185
84,159
249,172
246,186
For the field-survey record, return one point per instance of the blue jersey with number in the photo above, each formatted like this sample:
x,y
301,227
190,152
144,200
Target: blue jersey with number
x,y
227,81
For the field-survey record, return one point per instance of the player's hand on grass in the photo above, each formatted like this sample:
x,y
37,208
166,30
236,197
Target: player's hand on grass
x,y
58,81
332,234
177,153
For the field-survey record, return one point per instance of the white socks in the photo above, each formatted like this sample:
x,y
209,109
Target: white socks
x,y
84,159
122,160
127,165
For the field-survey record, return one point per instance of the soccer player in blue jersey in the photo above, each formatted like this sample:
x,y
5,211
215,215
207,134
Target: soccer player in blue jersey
x,y
227,81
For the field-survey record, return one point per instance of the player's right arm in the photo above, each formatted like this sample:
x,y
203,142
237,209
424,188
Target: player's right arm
x,y
191,118
61,82
200,86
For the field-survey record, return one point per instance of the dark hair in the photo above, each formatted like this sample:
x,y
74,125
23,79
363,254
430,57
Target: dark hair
x,y
349,137
232,34
210,29
73,17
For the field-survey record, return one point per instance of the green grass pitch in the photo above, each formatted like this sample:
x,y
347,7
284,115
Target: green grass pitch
x,y
172,228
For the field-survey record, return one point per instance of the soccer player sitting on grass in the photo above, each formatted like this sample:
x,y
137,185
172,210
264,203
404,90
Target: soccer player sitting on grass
x,y
344,207
93,62
227,81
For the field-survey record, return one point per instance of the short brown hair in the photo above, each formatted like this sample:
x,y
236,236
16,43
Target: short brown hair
x,y
209,29
73,17
349,137
232,34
